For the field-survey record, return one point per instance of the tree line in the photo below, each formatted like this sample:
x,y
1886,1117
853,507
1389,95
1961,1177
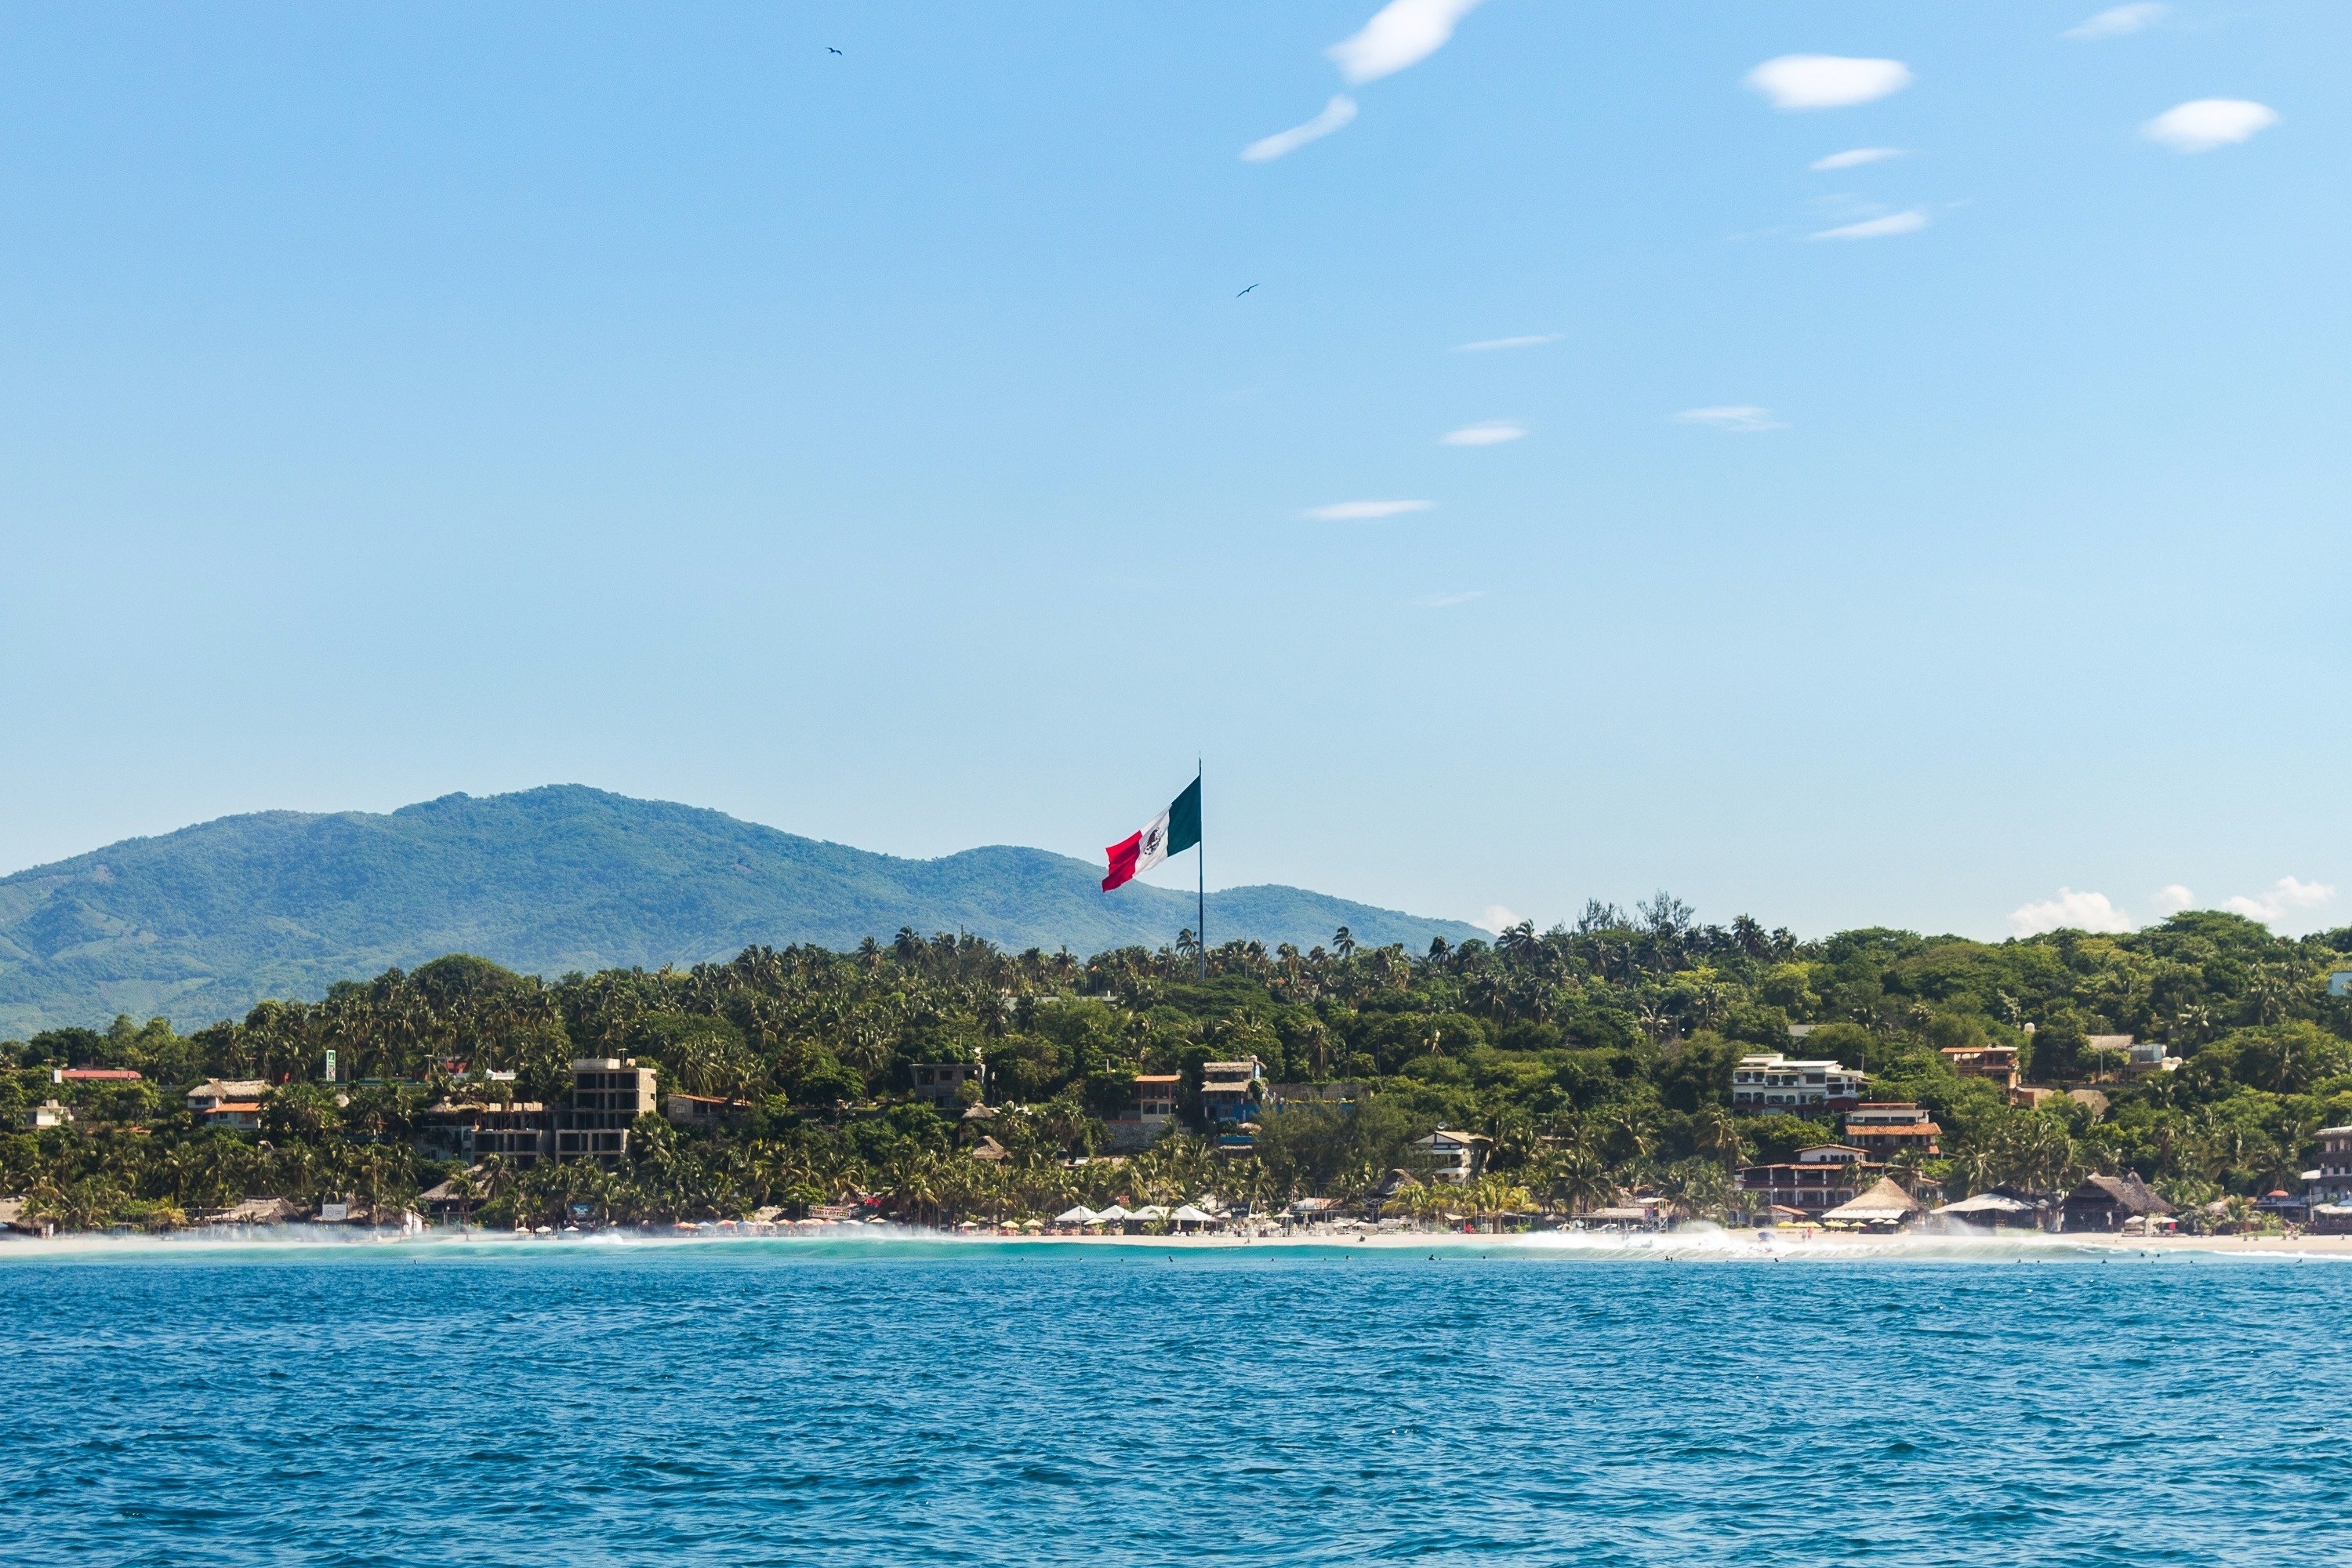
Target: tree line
x,y
1596,1056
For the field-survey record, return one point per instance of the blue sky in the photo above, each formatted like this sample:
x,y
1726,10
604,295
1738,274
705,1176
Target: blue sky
x,y
401,400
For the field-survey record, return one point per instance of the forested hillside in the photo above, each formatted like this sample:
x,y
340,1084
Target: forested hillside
x,y
200,924
1597,1058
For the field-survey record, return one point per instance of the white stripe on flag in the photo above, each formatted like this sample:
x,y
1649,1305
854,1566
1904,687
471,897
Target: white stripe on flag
x,y
1154,847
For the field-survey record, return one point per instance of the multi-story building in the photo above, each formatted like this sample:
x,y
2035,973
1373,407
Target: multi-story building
x,y
2332,1183
1456,1158
1152,1107
943,1083
1770,1081
1997,1064
1818,1179
1230,1090
515,1131
608,1094
1887,1127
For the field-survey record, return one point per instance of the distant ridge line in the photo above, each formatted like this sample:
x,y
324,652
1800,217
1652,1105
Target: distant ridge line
x,y
200,923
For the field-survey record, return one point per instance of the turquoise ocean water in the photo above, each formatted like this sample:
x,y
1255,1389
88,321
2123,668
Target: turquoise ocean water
x,y
910,1402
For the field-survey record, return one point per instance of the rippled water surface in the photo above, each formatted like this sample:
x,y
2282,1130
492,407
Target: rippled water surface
x,y
903,1404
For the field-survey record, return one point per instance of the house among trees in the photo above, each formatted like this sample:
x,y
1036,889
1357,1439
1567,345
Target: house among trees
x,y
215,1092
1230,1091
1887,1128
941,1083
1151,1105
1996,1064
1455,1158
2332,1182
703,1109
2105,1202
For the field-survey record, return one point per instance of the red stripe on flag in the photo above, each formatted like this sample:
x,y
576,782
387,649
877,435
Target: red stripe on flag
x,y
1123,860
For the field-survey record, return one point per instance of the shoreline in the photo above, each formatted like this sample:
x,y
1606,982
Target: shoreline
x,y
1691,1244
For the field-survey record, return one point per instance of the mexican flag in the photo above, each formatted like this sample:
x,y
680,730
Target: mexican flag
x,y
1173,832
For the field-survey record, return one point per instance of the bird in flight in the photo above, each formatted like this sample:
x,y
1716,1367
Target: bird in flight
x,y
1245,290
831,50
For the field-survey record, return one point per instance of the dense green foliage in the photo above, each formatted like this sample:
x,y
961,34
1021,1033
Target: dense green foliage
x,y
203,923
1597,1058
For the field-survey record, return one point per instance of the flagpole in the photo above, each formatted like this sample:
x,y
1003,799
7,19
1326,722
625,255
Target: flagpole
x,y
1201,886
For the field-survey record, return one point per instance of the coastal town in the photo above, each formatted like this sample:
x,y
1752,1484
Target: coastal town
x,y
1871,1170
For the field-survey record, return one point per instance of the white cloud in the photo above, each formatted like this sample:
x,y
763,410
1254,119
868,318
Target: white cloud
x,y
1446,601
1827,82
2173,898
2070,911
2289,895
1910,222
1532,340
2204,123
2116,21
1402,32
1336,114
1364,510
1855,159
1487,433
1495,919
1740,416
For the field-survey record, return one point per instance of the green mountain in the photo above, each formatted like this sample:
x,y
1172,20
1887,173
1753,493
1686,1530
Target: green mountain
x,y
198,925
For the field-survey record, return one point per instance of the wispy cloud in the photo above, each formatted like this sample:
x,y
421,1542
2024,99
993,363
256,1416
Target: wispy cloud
x,y
1363,511
1827,82
1402,32
1488,433
1910,222
1495,919
1855,159
1744,417
1445,601
2116,21
1336,114
2070,911
2204,123
2173,898
1529,340
2289,895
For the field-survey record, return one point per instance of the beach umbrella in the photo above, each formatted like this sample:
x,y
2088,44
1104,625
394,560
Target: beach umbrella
x,y
1188,1215
1150,1212
1079,1215
1115,1215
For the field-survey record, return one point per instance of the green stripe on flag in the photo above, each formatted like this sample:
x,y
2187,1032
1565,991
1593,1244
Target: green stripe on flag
x,y
1184,819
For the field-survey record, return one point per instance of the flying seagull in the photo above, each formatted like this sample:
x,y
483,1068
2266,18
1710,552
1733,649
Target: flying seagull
x,y
831,50
1245,290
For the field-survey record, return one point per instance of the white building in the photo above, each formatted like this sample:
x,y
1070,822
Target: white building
x,y
2332,1183
1455,1158
1770,1081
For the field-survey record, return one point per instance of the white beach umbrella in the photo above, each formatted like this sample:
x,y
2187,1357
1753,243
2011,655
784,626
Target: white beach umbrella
x,y
1188,1215
1079,1215
1114,1215
1150,1212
